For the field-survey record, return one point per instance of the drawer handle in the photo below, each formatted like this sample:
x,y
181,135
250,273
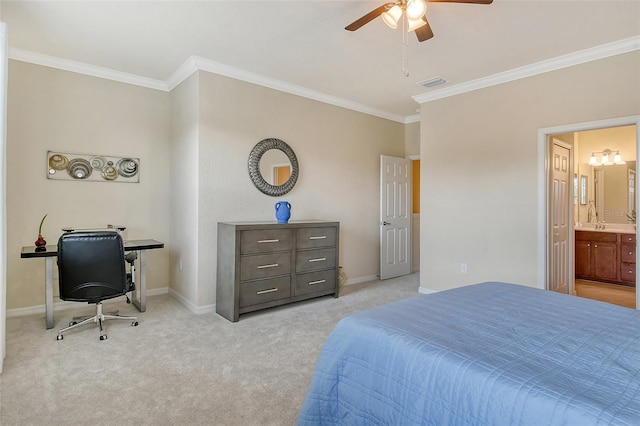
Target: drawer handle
x,y
630,252
319,259
272,265
271,290
268,241
322,237
631,272
317,282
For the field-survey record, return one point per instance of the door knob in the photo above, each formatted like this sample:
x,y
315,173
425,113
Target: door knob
x,y
386,223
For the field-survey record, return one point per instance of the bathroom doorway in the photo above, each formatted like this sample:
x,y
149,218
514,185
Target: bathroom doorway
x,y
592,204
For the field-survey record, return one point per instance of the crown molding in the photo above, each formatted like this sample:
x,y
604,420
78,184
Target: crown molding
x,y
214,67
559,62
82,68
196,63
191,65
412,119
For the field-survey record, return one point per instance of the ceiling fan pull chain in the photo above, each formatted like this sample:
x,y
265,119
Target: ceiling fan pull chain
x,y
405,42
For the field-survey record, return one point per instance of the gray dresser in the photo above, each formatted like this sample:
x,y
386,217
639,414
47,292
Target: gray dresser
x,y
265,264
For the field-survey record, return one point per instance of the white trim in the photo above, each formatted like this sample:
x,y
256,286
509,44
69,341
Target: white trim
x,y
195,63
198,310
542,180
413,157
182,73
82,68
361,280
214,67
412,119
575,58
425,290
60,305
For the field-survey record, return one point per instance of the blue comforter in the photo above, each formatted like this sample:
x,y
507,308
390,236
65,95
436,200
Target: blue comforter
x,y
486,354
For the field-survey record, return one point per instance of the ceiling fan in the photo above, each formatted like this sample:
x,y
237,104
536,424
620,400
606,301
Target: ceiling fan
x,y
415,12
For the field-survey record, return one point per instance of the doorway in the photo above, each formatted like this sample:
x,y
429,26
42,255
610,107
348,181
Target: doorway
x,y
581,197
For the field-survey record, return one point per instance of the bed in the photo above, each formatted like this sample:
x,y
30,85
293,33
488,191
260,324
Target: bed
x,y
485,354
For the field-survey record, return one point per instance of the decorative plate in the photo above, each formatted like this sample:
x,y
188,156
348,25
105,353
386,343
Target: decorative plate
x,y
58,162
109,173
127,167
79,168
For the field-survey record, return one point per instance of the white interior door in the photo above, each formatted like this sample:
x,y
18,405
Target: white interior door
x,y
561,270
395,217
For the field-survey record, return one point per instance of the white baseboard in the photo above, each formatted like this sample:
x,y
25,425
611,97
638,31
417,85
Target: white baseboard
x,y
190,305
362,279
424,290
60,305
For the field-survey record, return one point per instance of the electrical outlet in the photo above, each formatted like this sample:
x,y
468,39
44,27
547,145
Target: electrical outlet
x,y
463,268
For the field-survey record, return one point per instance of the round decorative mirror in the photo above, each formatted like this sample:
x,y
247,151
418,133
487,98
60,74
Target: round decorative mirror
x,y
273,167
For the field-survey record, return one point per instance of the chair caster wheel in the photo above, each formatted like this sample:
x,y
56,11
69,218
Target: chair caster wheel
x,y
103,337
134,324
59,337
72,323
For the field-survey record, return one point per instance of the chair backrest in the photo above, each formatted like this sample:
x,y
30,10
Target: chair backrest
x,y
91,266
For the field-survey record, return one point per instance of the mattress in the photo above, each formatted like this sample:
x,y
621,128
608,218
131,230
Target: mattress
x,y
485,354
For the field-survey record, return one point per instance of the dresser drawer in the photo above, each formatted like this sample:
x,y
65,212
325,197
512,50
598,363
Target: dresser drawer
x,y
264,265
312,282
262,291
316,237
265,240
628,272
315,260
628,238
628,253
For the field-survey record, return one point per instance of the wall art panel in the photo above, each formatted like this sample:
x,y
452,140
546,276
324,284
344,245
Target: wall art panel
x,y
92,167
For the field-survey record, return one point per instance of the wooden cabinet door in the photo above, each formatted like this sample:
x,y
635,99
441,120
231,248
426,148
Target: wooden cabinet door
x,y
604,261
583,259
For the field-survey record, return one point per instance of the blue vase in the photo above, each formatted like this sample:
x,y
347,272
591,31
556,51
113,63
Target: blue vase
x,y
283,211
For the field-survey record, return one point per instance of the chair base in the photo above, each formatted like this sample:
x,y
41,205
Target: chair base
x,y
99,318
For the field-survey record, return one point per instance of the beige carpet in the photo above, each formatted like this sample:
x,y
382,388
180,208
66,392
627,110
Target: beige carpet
x,y
175,368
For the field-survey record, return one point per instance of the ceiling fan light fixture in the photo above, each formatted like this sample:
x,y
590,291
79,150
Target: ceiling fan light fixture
x,y
414,24
416,9
392,16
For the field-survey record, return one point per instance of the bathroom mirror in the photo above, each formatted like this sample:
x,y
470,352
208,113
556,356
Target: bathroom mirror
x,y
609,188
273,167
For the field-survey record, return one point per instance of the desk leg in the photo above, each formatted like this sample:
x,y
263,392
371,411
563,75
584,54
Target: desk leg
x,y
48,290
141,303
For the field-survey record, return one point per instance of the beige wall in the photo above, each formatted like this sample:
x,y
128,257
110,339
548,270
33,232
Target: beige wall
x,y
184,184
193,144
479,174
49,109
338,151
412,139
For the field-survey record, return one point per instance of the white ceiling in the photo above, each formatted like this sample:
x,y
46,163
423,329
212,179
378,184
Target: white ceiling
x,y
303,43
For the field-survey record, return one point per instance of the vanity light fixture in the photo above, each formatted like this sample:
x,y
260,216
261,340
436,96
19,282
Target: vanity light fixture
x,y
606,158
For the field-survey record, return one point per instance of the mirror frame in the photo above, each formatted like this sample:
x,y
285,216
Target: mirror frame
x,y
254,167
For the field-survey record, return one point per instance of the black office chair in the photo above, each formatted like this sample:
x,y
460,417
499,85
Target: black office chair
x,y
92,268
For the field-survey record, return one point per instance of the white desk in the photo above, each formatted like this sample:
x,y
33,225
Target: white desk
x,y
138,300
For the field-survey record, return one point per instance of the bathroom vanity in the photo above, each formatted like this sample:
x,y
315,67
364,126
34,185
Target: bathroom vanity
x,y
607,256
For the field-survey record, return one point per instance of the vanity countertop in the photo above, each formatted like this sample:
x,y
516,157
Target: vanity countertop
x,y
612,229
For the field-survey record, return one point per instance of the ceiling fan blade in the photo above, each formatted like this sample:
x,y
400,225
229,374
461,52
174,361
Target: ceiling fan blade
x,y
424,32
368,17
463,1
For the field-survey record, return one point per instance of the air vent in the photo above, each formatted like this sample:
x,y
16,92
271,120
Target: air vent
x,y
435,81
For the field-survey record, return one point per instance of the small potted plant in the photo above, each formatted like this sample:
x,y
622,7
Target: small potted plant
x,y
41,243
